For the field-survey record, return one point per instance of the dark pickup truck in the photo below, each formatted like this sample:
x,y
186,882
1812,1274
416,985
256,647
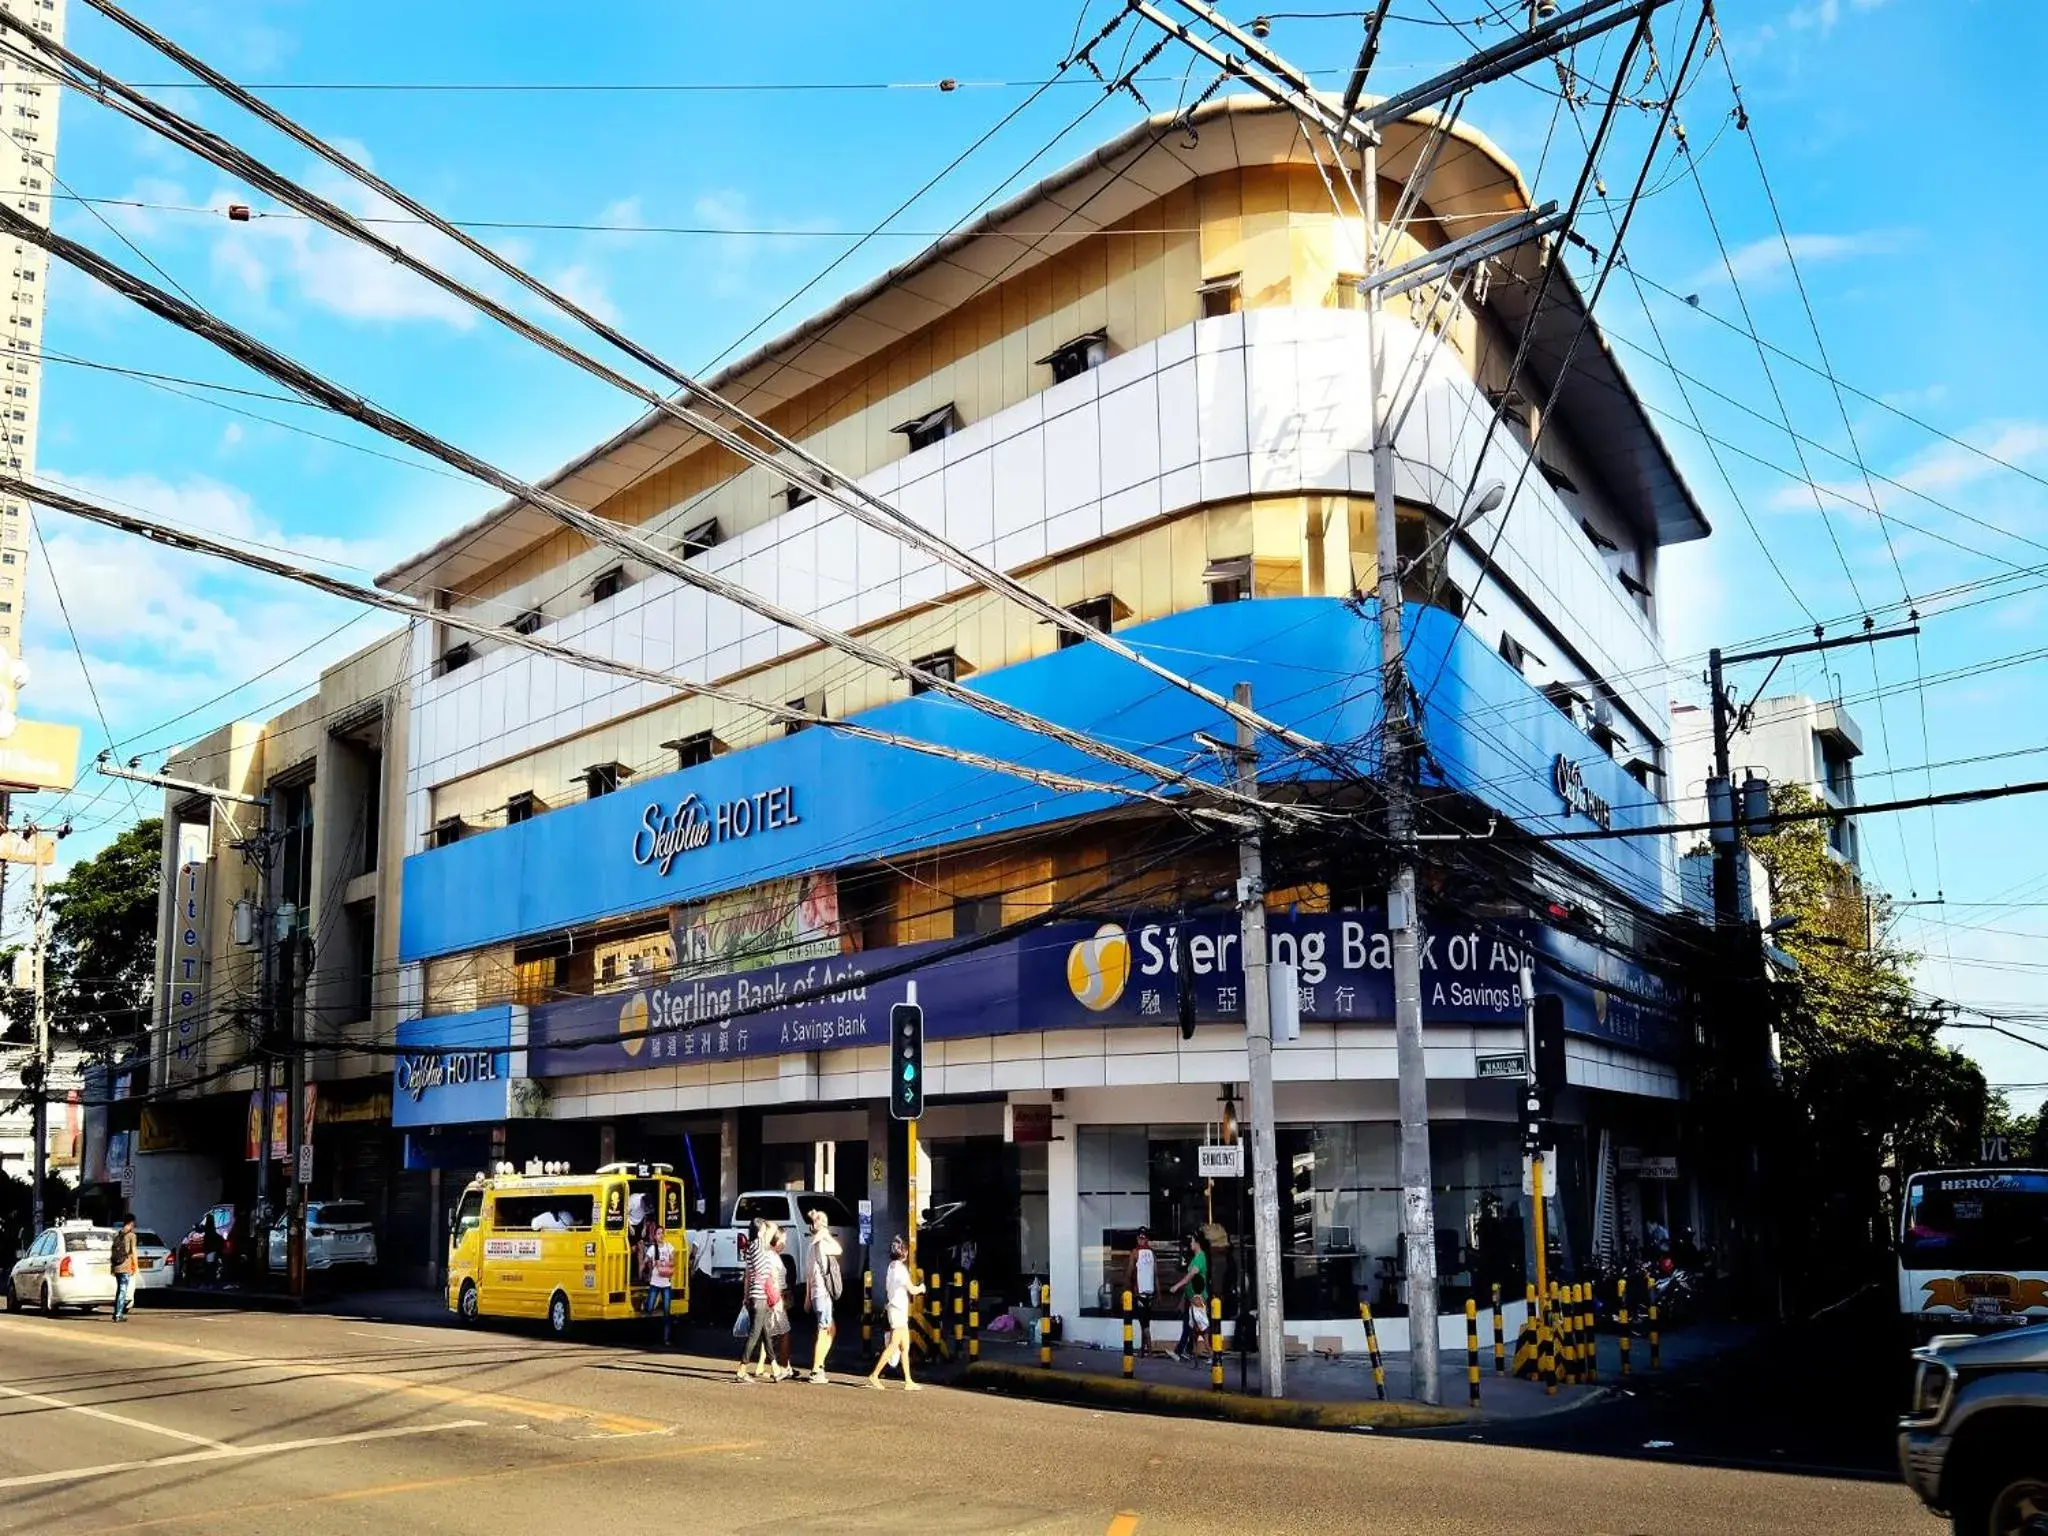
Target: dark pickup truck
x,y
1974,1446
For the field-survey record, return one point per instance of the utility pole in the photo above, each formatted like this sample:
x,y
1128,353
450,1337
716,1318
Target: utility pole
x,y
294,966
1241,56
1743,1030
40,1118
1258,1046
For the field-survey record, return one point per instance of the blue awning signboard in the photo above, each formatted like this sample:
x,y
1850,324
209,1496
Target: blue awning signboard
x,y
1097,974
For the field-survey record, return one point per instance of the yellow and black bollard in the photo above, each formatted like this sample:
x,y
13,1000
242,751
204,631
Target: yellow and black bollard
x,y
1045,1324
1568,1308
1215,1343
1130,1359
1621,1318
1656,1340
1472,1348
1592,1324
1372,1347
959,1315
1500,1344
974,1319
1546,1352
867,1313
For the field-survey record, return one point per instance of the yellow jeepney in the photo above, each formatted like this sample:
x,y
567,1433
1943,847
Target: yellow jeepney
x,y
567,1248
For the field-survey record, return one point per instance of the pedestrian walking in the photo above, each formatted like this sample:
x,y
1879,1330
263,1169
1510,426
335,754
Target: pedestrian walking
x,y
121,1260
822,1285
1193,1289
898,1289
1141,1279
659,1255
778,1304
761,1260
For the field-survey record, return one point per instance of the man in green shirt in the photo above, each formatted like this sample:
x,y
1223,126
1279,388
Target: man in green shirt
x,y
1193,1289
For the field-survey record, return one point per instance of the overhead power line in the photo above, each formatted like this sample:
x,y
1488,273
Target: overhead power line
x,y
176,538
782,454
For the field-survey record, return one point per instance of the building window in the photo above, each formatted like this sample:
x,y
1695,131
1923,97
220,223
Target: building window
x,y
795,496
696,749
1222,296
931,427
810,704
609,583
1097,613
457,656
603,779
529,622
1229,581
1076,357
1596,538
700,538
1512,652
944,665
1569,701
447,832
973,915
523,806
1559,480
1634,585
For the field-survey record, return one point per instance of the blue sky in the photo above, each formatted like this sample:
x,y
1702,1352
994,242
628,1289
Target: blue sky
x,y
1900,159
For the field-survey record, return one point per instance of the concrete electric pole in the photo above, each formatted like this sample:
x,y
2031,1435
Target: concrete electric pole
x,y
1258,1046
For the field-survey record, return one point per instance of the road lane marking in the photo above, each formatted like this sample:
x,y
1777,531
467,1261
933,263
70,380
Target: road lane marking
x,y
1124,1524
430,1484
16,1395
309,1369
220,1452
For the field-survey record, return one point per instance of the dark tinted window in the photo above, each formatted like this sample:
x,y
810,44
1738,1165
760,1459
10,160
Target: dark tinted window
x,y
1971,1220
836,1213
761,1208
340,1213
149,1240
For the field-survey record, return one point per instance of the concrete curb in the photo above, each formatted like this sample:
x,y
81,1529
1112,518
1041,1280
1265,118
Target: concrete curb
x,y
1191,1402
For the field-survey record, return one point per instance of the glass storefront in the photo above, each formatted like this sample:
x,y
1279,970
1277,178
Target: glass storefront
x,y
1340,1211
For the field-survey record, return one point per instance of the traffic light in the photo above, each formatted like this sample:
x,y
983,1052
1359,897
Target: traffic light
x,y
1535,1119
906,1061
1549,1062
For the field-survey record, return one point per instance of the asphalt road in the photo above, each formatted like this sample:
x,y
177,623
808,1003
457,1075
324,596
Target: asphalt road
x,y
233,1422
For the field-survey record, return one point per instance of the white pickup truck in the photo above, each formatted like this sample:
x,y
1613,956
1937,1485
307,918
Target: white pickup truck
x,y
719,1253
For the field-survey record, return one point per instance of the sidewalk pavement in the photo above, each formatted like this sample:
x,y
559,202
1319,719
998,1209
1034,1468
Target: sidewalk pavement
x,y
1337,1391
1322,1391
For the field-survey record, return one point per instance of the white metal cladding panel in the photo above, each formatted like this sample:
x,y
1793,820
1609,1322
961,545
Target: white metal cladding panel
x,y
1266,400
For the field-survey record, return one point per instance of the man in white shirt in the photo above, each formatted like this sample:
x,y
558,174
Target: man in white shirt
x,y
1141,1279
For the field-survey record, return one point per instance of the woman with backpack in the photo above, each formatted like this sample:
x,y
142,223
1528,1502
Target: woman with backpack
x,y
822,1286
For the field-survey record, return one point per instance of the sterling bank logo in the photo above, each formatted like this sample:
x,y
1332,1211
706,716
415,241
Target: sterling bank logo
x,y
1099,967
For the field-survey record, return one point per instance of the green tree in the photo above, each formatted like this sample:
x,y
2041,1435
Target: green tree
x,y
100,969
1872,1088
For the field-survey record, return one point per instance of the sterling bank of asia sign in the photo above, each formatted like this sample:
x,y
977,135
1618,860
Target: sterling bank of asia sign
x,y
1087,975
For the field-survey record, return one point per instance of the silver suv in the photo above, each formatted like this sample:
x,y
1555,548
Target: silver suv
x,y
1975,1445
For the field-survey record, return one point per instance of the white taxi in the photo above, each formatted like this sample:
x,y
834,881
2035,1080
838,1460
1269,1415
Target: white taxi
x,y
66,1267
152,1262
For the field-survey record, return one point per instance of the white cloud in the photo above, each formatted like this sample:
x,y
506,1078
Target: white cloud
x,y
584,285
158,630
1822,15
1763,262
231,436
1939,471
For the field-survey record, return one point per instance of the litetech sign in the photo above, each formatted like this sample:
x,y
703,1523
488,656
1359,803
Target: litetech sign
x,y
665,835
